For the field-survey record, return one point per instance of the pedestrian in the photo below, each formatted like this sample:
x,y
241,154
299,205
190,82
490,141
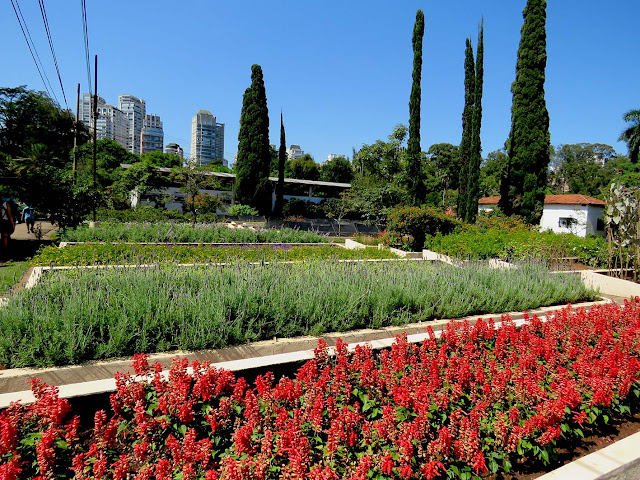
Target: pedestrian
x,y
29,217
7,225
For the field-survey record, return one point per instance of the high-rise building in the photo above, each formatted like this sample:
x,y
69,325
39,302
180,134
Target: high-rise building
x,y
207,138
175,149
294,151
152,135
112,123
135,110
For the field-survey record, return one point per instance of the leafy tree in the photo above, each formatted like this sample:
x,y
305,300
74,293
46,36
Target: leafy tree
x,y
467,127
414,177
523,186
193,179
473,179
445,159
624,171
168,160
305,168
632,134
382,162
252,167
337,170
282,159
583,167
109,156
491,172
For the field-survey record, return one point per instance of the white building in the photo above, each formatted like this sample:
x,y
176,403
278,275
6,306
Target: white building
x,y
152,135
111,123
294,151
576,214
135,110
333,156
175,149
207,138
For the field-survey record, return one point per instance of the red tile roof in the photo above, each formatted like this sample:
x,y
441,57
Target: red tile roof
x,y
573,199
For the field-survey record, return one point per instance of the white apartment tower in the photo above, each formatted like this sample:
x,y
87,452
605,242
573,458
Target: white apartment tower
x,y
294,151
135,110
152,135
174,149
207,138
112,122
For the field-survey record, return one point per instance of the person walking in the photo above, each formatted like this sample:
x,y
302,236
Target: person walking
x,y
7,225
29,217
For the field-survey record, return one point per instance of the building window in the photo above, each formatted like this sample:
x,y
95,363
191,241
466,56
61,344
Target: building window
x,y
600,225
567,222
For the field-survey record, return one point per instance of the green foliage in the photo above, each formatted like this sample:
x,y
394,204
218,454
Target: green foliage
x,y
161,159
414,170
467,128
296,207
238,209
580,167
305,168
632,134
204,203
511,239
337,170
173,232
523,187
370,204
104,313
254,158
420,222
622,220
87,254
193,179
491,172
10,274
140,214
282,160
473,178
381,162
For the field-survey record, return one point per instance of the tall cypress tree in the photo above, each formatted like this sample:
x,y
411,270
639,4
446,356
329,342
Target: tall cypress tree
x,y
252,167
523,183
467,128
282,157
473,179
414,152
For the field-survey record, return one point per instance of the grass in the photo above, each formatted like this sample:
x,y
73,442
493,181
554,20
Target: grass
x,y
77,315
187,233
10,274
120,253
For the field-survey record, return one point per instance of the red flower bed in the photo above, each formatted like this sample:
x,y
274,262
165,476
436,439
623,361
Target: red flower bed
x,y
468,403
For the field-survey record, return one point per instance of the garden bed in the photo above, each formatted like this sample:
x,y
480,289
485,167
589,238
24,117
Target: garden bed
x,y
82,254
476,401
186,232
77,315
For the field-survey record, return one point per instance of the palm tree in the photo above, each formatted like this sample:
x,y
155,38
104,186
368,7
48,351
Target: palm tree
x,y
632,134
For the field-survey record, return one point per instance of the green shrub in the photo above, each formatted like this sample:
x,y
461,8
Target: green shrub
x,y
420,222
240,210
296,207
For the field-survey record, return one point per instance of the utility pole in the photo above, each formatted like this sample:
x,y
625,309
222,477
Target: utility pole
x,y
75,138
95,134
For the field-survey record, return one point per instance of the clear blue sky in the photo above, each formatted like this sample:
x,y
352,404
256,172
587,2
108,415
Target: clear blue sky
x,y
339,70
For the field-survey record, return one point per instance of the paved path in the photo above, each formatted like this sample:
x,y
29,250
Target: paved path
x,y
23,245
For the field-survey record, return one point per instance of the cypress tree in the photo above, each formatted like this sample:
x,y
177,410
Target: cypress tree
x,y
523,183
282,157
252,167
467,127
414,170
473,185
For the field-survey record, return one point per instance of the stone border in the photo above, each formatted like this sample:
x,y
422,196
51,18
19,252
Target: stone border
x,y
621,460
95,378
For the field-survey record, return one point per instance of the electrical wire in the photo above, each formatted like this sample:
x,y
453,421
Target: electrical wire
x,y
86,43
43,13
32,48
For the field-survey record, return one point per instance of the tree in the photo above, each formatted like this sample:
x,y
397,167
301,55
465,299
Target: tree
x,y
336,170
282,158
109,156
382,162
252,167
467,128
445,159
491,171
305,168
168,160
523,187
414,177
473,179
632,134
583,168
193,179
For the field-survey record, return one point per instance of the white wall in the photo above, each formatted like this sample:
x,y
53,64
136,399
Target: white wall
x,y
586,217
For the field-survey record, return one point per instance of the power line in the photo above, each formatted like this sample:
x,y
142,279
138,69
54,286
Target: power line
x,y
47,85
53,53
86,43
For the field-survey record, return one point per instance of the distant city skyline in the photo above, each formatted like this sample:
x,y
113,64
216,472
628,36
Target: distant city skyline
x,y
343,80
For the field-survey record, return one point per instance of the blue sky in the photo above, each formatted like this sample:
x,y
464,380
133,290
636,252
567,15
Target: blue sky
x,y
339,70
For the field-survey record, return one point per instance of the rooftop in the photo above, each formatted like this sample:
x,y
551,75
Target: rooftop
x,y
571,199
